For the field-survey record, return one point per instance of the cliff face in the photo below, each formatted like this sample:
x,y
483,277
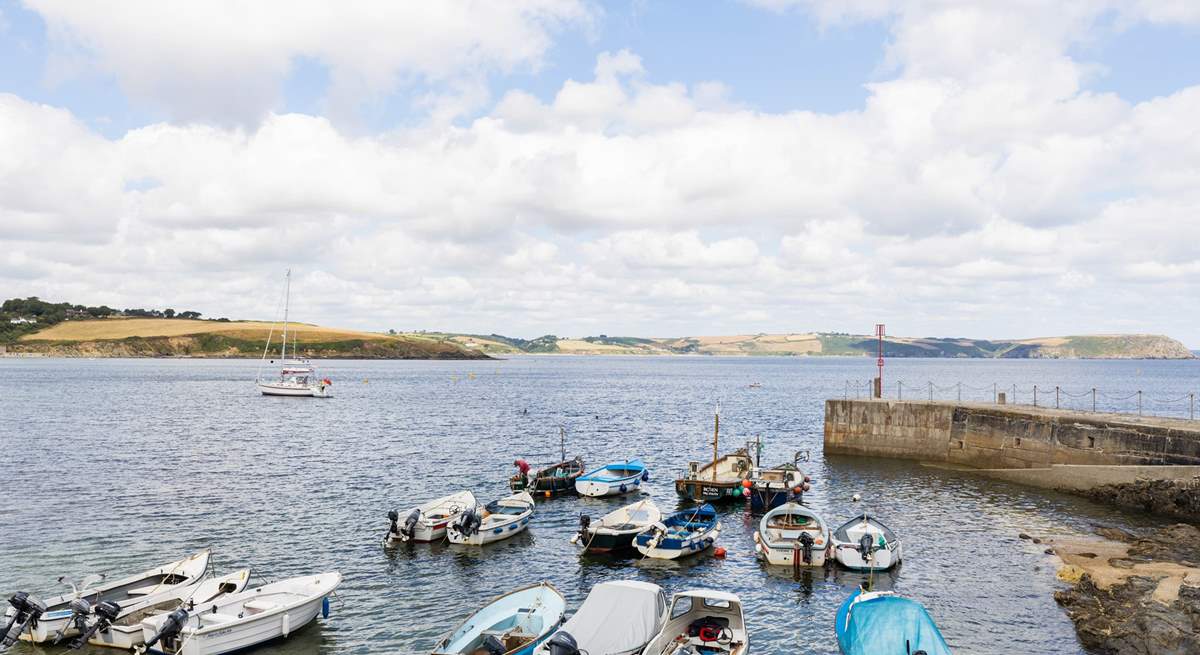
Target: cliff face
x,y
210,345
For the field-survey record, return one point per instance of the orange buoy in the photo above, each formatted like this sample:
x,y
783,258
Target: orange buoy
x,y
719,553
547,494
747,484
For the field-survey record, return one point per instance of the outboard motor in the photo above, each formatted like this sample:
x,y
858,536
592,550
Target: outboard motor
x,y
28,611
866,546
492,645
410,524
169,630
468,524
562,643
806,543
585,522
80,609
106,612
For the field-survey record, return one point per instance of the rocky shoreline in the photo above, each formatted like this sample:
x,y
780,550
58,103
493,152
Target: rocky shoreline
x,y
221,347
1179,499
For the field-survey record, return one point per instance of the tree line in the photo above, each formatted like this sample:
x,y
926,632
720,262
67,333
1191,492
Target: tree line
x,y
20,316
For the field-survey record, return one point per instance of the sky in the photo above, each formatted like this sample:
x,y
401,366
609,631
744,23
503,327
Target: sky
x,y
979,168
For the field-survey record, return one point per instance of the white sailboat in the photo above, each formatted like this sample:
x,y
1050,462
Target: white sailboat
x,y
297,377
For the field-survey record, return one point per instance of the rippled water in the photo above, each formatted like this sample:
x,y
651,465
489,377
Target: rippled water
x,y
119,465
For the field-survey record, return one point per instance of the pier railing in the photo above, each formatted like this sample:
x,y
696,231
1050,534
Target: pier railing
x,y
1125,401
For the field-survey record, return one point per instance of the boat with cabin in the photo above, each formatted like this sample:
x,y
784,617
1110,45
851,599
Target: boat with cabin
x,y
297,377
702,621
613,479
514,623
720,480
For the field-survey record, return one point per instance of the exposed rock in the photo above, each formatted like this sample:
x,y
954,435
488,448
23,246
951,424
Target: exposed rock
x,y
1175,498
1024,536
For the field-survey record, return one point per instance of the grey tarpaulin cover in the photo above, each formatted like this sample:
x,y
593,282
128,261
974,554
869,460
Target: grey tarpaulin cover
x,y
617,617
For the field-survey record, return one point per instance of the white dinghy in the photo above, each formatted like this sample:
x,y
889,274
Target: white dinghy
x,y
792,535
428,522
702,621
864,543
126,632
616,618
500,519
242,620
68,615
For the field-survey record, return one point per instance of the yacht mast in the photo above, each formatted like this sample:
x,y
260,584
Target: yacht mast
x,y
287,298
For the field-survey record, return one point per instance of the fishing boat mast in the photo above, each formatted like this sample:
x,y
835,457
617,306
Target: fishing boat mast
x,y
562,443
716,438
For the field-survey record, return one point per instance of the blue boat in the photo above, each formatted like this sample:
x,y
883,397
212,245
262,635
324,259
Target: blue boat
x,y
613,479
682,533
882,623
511,624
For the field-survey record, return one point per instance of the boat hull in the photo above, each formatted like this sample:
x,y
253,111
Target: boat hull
x,y
488,535
850,557
600,489
294,391
720,491
604,541
788,556
676,549
253,632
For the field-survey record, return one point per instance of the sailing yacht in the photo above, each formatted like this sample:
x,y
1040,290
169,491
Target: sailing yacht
x,y
297,377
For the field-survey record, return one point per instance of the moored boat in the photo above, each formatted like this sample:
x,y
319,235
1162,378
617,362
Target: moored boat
x,y
864,543
771,487
616,530
499,519
297,378
616,618
682,533
242,620
514,623
792,535
126,632
613,479
554,480
428,522
719,480
68,615
882,623
702,621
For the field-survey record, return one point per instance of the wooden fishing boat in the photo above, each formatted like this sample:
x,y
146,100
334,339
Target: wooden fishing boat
x,y
616,530
500,519
721,479
428,522
702,621
792,535
616,618
882,623
613,479
680,534
126,632
514,623
864,543
554,480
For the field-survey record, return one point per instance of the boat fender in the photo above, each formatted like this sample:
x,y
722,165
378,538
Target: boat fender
x,y
719,553
623,488
325,607
645,475
287,624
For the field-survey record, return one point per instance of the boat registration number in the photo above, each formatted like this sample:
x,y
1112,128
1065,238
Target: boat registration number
x,y
710,491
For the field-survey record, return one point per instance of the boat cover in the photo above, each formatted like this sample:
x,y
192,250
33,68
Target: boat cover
x,y
617,617
887,625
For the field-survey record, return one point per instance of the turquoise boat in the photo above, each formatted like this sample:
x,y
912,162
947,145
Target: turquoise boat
x,y
511,624
882,623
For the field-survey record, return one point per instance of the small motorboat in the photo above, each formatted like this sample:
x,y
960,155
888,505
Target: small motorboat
x,y
865,544
428,522
500,519
682,533
616,618
719,480
126,632
613,479
241,620
68,615
771,487
702,621
554,480
792,535
616,530
514,623
882,623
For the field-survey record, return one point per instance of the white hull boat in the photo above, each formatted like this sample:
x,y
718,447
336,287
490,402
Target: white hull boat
x,y
244,619
612,479
499,520
792,535
428,522
865,544
301,387
64,615
126,632
297,378
616,618
702,621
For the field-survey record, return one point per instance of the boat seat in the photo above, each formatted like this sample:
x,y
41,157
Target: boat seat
x,y
622,526
143,591
215,619
259,605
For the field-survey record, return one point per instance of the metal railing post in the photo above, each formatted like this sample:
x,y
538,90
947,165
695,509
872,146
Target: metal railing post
x,y
899,390
1056,397
1192,406
960,392
1035,395
995,394
931,391
1139,402
1014,400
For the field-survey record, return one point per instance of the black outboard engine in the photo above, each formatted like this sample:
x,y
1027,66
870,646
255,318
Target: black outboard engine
x,y
80,609
28,611
866,546
806,543
410,524
169,630
469,523
585,522
562,643
106,612
492,645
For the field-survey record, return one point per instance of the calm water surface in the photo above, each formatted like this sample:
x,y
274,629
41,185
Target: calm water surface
x,y
118,465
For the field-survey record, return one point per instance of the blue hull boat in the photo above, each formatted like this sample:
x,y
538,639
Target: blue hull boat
x,y
682,533
516,623
613,479
882,623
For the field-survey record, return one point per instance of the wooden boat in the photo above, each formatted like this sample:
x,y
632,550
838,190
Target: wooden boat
x,y
242,620
500,519
882,623
616,530
770,487
616,618
514,623
428,522
68,615
719,480
126,632
613,479
792,535
682,533
702,621
554,480
865,544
